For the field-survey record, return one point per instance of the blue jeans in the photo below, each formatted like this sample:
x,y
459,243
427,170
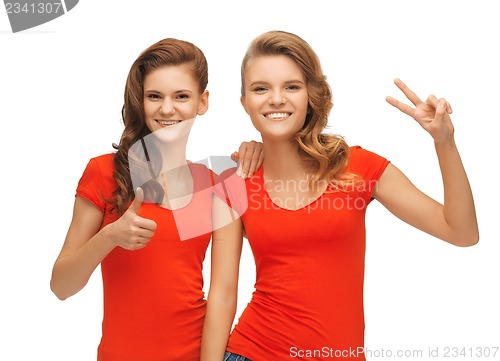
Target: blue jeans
x,y
228,356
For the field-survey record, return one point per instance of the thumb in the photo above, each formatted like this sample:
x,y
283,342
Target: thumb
x,y
235,156
440,111
137,203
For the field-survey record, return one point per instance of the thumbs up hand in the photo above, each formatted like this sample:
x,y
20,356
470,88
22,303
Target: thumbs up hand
x,y
131,231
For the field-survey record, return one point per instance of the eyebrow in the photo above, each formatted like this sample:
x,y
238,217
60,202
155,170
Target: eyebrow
x,y
176,92
260,82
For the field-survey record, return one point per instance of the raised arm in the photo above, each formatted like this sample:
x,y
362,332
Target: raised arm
x,y
222,297
454,221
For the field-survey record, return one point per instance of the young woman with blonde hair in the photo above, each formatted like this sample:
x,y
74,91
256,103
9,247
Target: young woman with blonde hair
x,y
304,213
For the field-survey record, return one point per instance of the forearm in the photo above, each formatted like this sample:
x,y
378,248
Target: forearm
x,y
459,210
71,272
216,328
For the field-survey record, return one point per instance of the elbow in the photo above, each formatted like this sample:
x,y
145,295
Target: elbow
x,y
225,300
227,303
465,240
474,239
60,294
61,297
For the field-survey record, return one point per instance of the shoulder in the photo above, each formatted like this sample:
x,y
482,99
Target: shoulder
x,y
97,182
232,189
99,172
226,174
104,161
202,175
366,163
102,165
358,154
201,171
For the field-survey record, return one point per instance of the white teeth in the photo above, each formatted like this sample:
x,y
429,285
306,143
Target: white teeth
x,y
277,115
167,122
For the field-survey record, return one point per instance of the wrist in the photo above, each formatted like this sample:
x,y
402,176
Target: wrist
x,y
107,235
444,145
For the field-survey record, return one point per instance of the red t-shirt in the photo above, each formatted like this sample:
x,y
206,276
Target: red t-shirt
x,y
308,298
154,304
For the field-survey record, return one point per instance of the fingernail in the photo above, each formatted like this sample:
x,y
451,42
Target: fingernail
x,y
244,175
238,172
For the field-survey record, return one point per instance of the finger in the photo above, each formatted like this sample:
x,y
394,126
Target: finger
x,y
260,160
257,160
246,162
134,246
245,146
143,235
433,101
447,105
242,152
245,153
235,156
408,92
145,224
254,163
401,106
143,231
441,110
135,207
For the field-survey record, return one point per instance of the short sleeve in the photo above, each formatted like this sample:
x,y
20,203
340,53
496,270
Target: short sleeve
x,y
91,185
369,167
231,189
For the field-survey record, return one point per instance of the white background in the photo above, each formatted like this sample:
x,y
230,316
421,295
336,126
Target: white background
x,y
61,91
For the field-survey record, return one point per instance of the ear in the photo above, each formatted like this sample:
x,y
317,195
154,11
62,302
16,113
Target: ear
x,y
203,104
244,103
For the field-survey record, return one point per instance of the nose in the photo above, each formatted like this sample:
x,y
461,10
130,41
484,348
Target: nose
x,y
167,106
277,98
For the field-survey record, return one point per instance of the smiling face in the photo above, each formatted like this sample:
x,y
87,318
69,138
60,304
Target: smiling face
x,y
276,96
172,99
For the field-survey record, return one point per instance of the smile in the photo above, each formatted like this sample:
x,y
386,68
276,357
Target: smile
x,y
277,115
168,122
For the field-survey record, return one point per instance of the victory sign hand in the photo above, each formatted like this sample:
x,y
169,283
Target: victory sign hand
x,y
432,115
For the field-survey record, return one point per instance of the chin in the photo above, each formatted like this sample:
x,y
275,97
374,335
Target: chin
x,y
175,132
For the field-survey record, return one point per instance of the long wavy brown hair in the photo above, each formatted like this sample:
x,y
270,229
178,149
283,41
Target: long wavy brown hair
x,y
166,52
324,155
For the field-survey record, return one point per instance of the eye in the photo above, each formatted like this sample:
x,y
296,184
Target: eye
x,y
183,96
153,96
293,87
260,89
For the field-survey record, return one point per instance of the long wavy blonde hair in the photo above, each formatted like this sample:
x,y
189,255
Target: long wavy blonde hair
x,y
324,155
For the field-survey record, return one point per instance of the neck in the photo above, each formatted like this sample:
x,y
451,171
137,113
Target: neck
x,y
281,160
175,176
172,155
